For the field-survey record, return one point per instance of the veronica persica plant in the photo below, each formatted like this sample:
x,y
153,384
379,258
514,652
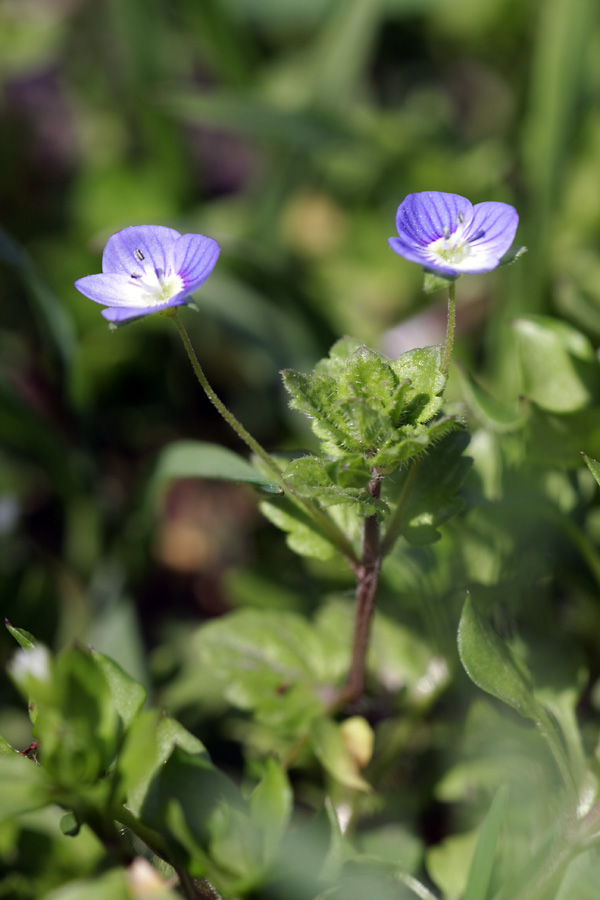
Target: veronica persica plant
x,y
147,269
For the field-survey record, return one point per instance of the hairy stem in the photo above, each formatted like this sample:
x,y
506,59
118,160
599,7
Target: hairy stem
x,y
231,420
324,521
450,327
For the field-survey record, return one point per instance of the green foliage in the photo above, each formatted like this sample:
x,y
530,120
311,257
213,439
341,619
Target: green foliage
x,y
365,407
290,132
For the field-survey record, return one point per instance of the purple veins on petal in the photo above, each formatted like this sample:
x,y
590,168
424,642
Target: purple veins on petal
x,y
446,233
149,268
194,259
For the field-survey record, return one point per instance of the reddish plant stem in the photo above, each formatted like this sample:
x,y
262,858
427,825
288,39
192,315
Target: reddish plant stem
x,y
366,591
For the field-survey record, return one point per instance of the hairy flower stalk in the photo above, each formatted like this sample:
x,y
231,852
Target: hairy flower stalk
x,y
149,269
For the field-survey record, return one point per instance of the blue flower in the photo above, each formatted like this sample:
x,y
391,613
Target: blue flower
x,y
147,269
447,234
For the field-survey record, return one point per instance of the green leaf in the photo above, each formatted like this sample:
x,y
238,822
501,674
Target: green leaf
x,y
24,638
23,786
422,368
77,723
556,440
268,661
480,872
593,465
128,695
368,376
448,863
331,749
149,742
490,664
433,281
198,459
512,255
51,311
196,786
6,749
271,807
310,476
560,371
304,536
111,885
433,499
69,825
493,414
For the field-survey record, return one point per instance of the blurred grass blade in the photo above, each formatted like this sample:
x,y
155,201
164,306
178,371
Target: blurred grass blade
x,y
57,322
562,36
245,114
483,860
221,44
343,49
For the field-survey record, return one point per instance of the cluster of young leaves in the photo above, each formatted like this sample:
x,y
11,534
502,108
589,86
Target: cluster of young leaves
x,y
371,414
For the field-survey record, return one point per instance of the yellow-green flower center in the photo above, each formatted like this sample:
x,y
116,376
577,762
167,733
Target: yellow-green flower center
x,y
452,249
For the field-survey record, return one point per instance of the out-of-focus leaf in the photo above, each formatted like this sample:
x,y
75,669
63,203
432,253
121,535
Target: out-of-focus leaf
x,y
433,281
512,255
273,663
593,465
432,498
77,722
448,863
271,806
23,786
393,844
6,749
109,886
56,321
490,664
331,749
304,536
556,440
342,50
560,371
198,459
69,825
197,787
128,695
491,412
149,743
24,638
247,114
483,859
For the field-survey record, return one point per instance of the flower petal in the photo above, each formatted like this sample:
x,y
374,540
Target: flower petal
x,y
491,233
128,313
422,217
153,243
112,290
194,258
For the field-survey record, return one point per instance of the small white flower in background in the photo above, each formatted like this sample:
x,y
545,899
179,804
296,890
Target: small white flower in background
x,y
34,663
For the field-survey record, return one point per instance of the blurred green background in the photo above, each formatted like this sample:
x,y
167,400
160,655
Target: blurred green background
x,y
289,130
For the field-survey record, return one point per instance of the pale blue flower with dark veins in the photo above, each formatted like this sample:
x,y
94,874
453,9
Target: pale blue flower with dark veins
x,y
445,233
147,269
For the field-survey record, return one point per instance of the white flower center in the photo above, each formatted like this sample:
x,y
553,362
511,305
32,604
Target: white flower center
x,y
451,249
158,286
